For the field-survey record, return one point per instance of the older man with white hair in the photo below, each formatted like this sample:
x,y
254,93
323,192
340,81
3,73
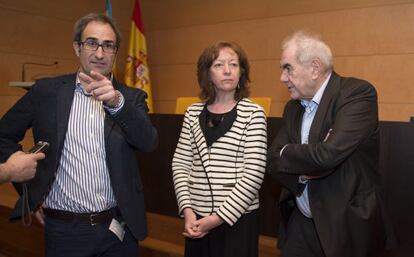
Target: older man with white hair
x,y
326,158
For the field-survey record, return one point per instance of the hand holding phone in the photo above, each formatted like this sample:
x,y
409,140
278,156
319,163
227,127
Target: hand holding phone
x,y
40,146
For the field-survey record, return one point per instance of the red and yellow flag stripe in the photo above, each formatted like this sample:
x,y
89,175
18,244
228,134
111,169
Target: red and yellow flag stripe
x,y
136,69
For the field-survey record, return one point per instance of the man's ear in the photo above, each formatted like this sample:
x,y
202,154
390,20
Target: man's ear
x,y
76,47
316,65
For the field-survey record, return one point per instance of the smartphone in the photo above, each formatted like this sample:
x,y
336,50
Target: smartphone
x,y
40,146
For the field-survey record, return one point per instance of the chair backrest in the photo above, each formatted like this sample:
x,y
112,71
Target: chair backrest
x,y
263,101
183,102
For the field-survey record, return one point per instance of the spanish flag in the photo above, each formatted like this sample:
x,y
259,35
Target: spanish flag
x,y
136,69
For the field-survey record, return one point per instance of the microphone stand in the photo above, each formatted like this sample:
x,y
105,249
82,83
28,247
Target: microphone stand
x,y
35,63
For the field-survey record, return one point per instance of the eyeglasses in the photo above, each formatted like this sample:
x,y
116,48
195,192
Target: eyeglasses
x,y
93,45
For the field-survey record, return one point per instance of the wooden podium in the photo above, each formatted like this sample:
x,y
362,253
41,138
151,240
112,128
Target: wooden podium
x,y
22,84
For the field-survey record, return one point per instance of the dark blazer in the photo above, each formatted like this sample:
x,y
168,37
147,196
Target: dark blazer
x,y
346,202
46,108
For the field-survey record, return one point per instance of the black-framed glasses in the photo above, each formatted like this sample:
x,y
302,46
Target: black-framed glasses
x,y
93,45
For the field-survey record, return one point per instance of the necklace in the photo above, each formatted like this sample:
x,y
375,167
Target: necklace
x,y
214,120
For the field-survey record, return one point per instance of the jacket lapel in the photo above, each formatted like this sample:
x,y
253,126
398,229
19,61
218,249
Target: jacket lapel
x,y
200,140
297,122
108,125
65,93
316,133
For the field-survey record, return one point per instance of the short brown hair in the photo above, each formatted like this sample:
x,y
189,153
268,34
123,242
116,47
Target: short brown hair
x,y
208,94
81,24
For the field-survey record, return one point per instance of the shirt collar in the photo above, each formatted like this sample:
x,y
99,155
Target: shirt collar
x,y
311,104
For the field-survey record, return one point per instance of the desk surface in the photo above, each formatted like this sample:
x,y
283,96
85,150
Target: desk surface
x,y
23,84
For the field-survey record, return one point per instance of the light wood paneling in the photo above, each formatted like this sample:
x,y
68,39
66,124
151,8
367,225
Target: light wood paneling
x,y
63,10
173,81
70,11
165,106
186,44
373,31
396,112
12,65
35,35
390,74
184,13
366,31
370,39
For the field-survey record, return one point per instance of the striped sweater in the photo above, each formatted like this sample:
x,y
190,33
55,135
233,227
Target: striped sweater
x,y
225,178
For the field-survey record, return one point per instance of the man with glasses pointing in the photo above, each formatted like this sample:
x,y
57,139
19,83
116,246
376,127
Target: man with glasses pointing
x,y
87,192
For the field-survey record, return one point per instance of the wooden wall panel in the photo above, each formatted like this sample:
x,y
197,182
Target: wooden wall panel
x,y
5,90
370,39
186,44
173,78
366,31
277,109
265,76
35,35
70,10
389,73
396,111
65,10
348,32
165,106
184,13
12,63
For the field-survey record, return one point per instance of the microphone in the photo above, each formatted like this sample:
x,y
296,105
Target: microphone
x,y
35,63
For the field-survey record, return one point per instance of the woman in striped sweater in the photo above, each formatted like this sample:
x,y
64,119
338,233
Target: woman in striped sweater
x,y
220,159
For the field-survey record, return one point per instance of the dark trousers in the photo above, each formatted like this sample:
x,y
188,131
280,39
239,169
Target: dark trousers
x,y
73,239
239,240
302,239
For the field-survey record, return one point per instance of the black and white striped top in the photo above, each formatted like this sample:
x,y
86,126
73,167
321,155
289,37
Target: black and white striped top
x,y
82,182
224,179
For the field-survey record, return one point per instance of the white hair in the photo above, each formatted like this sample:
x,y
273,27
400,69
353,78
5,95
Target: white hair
x,y
309,46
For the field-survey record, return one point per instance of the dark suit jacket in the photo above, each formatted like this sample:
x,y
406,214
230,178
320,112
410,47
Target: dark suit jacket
x,y
346,202
46,108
